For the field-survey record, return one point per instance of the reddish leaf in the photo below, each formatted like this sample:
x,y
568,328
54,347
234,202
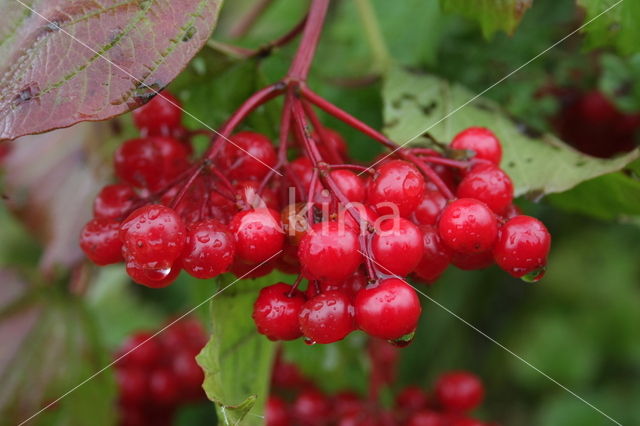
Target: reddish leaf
x,y
70,61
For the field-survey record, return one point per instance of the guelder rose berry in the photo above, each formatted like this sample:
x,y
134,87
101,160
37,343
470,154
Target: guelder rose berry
x,y
397,188
459,391
209,249
248,155
468,226
522,247
276,312
436,256
258,234
483,142
159,115
397,246
389,310
489,184
327,318
100,241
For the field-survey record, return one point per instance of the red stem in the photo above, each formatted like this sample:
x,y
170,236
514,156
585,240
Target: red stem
x,y
445,162
322,133
310,37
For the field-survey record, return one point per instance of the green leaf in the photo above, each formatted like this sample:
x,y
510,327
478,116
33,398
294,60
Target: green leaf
x,y
617,27
237,360
493,15
417,103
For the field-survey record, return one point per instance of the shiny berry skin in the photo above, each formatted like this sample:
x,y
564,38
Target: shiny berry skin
x,y
258,234
163,387
489,184
327,318
351,185
160,114
436,255
114,201
522,247
154,236
351,286
152,278
388,311
397,246
483,142
275,313
472,262
429,209
329,251
459,391
100,241
150,162
468,226
397,188
209,249
426,418
412,398
276,413
247,155
133,385
311,408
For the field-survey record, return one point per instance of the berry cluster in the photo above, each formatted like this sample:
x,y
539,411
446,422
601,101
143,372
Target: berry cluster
x,y
296,401
159,374
352,231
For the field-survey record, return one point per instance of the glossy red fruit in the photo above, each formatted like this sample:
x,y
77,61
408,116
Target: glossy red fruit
x,y
397,188
329,251
482,141
327,318
100,241
397,246
429,209
114,201
311,407
489,184
436,255
389,311
209,250
133,385
427,418
459,391
247,155
472,262
163,387
152,278
411,399
301,171
334,143
276,312
367,218
522,247
258,234
150,162
351,185
277,413
351,286
468,226
154,237
159,115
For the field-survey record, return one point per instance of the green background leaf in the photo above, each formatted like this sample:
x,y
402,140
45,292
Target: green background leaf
x,y
493,15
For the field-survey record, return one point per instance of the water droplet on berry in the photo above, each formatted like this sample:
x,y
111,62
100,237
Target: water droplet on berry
x,y
309,341
535,275
403,341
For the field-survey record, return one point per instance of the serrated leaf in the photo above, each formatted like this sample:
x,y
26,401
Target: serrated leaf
x,y
493,15
237,360
612,23
62,61
415,103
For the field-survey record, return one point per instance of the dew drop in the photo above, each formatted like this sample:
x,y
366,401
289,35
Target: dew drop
x,y
403,341
535,275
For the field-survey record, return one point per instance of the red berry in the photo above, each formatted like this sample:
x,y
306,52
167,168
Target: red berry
x,y
489,184
154,237
247,155
429,209
150,162
389,311
435,255
595,107
351,286
483,142
100,241
140,351
329,251
133,386
160,114
152,278
247,191
276,312
468,226
327,317
114,201
522,247
311,408
276,412
412,398
334,143
397,188
351,185
347,403
258,234
301,171
163,387
472,262
459,391
209,249
187,373
426,418
397,246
